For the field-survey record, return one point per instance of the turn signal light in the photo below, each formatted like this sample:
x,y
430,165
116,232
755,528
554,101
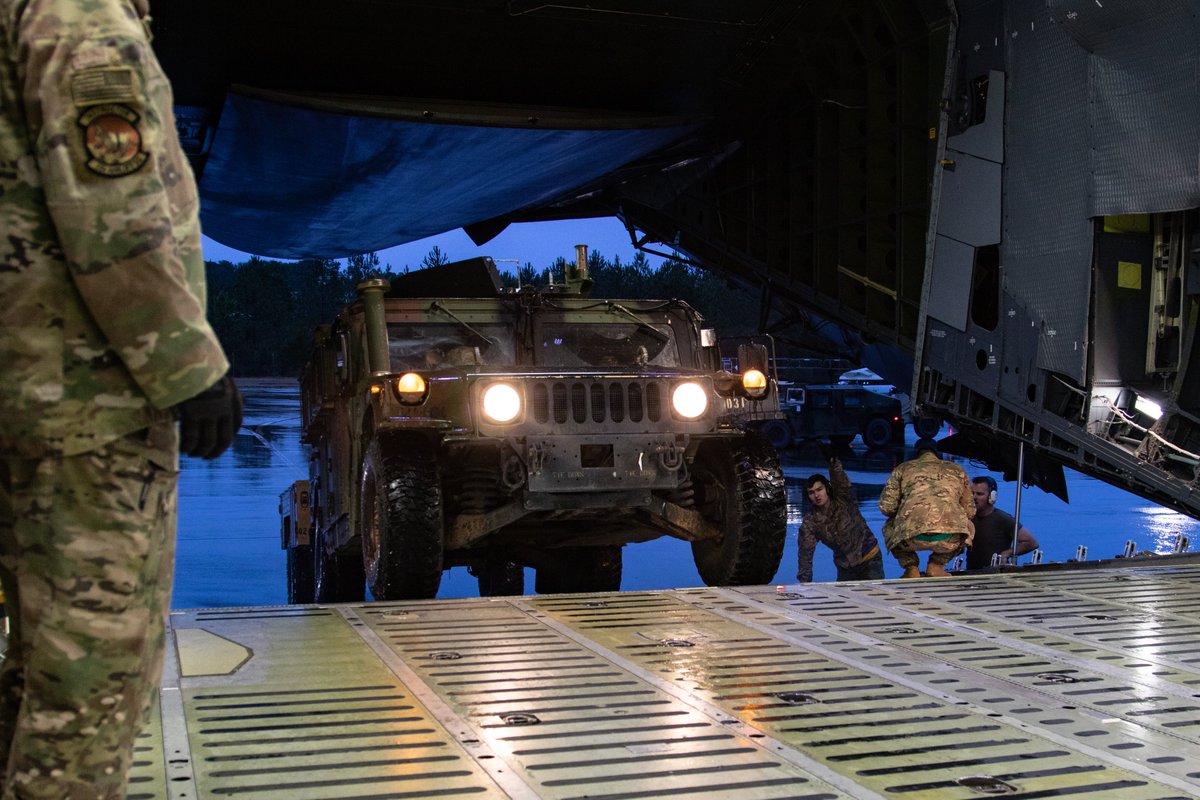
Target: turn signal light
x,y
754,382
411,388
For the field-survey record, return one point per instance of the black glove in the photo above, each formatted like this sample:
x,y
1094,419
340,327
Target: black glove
x,y
828,450
208,421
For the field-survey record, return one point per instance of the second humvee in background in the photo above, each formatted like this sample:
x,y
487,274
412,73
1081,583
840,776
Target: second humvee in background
x,y
837,412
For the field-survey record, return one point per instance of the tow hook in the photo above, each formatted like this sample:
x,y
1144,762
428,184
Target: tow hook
x,y
670,456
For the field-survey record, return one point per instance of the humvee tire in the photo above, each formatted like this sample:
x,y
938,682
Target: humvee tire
x,y
499,578
740,489
401,518
338,578
300,575
877,433
582,569
778,433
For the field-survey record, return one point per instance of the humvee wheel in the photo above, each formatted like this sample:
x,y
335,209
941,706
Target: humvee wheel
x,y
926,427
499,578
401,518
877,433
300,575
337,577
582,569
778,433
739,488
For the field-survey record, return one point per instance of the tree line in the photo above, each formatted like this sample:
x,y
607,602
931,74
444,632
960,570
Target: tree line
x,y
265,312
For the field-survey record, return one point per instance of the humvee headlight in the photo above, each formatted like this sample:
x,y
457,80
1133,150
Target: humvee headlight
x,y
755,383
690,400
411,387
501,403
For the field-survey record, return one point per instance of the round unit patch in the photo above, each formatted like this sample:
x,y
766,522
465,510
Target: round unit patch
x,y
112,139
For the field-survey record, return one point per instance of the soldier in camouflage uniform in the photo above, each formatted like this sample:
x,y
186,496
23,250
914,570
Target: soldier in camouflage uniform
x,y
834,520
928,505
103,342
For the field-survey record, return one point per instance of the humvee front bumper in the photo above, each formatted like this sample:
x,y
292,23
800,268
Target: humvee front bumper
x,y
604,462
601,472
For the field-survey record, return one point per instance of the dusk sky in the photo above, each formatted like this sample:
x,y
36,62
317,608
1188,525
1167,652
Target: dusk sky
x,y
536,242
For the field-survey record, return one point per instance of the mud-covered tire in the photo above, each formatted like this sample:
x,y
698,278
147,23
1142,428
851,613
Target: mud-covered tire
x,y
926,427
300,575
877,433
581,569
777,433
338,577
740,489
500,579
401,518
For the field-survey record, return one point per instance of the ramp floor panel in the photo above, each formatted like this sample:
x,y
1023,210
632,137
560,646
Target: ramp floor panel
x,y
1069,684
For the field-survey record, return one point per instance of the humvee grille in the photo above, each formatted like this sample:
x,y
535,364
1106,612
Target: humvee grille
x,y
596,401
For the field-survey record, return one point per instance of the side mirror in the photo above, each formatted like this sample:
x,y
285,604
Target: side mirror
x,y
752,356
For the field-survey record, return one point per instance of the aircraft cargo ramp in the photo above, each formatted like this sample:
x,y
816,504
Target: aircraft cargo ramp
x,y
1032,684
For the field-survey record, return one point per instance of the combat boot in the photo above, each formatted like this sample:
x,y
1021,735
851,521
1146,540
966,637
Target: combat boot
x,y
936,571
911,572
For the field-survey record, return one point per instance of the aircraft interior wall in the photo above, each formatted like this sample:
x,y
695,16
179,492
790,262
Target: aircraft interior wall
x,y
1072,330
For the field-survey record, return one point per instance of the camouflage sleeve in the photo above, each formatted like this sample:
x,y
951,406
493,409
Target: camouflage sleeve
x,y
121,196
964,497
807,546
889,498
839,482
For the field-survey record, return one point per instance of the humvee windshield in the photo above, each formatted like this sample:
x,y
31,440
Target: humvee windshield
x,y
608,344
438,345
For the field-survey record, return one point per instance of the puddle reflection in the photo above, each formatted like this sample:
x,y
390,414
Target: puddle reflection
x,y
229,553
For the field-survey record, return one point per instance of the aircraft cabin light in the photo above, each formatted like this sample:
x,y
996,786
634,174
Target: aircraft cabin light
x,y
1148,407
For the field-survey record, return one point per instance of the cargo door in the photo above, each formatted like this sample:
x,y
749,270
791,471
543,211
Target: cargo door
x,y
1062,287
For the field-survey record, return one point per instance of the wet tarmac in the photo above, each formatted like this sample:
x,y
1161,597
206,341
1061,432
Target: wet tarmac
x,y
229,546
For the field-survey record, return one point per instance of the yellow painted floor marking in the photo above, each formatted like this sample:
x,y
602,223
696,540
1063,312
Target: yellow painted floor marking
x,y
205,653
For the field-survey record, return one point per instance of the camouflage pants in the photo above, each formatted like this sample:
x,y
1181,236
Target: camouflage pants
x,y
87,546
940,552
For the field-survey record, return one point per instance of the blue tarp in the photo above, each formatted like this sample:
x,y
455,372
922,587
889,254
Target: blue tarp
x,y
291,182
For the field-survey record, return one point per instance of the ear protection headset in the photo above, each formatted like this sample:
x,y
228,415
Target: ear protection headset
x,y
991,484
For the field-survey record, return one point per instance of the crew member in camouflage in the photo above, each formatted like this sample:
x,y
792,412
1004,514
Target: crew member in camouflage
x,y
834,520
103,342
928,505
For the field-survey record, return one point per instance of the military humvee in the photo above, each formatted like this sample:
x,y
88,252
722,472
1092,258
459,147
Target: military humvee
x,y
837,412
499,428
